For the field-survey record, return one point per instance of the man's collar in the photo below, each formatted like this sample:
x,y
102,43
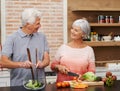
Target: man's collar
x,y
22,34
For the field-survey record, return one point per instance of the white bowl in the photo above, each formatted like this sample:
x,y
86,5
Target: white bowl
x,y
107,38
117,38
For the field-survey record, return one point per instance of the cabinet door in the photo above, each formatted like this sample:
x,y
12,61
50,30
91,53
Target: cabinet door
x,y
4,82
51,79
4,78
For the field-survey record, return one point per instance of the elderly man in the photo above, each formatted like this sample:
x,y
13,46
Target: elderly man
x,y
14,51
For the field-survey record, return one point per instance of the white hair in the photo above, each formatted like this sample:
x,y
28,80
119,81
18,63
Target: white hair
x,y
83,24
29,15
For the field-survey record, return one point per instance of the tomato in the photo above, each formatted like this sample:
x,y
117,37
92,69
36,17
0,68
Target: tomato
x,y
59,84
108,73
63,84
114,77
67,84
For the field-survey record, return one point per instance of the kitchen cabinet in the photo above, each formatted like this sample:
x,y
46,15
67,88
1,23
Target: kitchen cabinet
x,y
51,79
4,78
105,51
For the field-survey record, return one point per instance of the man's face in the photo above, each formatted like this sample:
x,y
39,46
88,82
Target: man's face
x,y
35,26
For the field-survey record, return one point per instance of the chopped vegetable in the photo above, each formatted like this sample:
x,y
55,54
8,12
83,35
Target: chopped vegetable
x,y
75,84
33,84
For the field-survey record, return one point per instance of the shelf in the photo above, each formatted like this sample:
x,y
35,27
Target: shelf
x,y
105,52
94,5
109,61
102,43
105,24
94,10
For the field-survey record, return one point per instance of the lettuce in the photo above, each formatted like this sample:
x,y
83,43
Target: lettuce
x,y
33,85
89,76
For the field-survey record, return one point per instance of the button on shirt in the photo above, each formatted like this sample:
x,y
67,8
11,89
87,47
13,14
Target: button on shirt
x,y
15,48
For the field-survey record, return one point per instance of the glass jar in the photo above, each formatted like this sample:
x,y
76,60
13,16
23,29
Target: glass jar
x,y
111,19
107,20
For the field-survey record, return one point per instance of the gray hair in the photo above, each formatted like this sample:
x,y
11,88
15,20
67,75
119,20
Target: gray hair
x,y
29,15
83,24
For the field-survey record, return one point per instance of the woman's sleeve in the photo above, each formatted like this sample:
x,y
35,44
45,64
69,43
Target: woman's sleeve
x,y
56,60
91,66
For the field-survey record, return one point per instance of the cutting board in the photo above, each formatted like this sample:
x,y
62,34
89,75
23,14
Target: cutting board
x,y
93,83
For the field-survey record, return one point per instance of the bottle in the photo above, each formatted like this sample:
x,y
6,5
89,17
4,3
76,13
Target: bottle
x,y
94,36
91,36
107,20
111,19
101,19
119,20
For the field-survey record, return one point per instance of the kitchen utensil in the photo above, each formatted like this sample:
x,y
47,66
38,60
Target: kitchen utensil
x,y
93,83
73,74
36,63
29,57
36,82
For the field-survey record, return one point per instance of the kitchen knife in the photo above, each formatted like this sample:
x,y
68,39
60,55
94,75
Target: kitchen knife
x,y
73,74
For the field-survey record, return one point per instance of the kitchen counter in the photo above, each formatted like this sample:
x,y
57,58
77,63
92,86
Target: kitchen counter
x,y
52,87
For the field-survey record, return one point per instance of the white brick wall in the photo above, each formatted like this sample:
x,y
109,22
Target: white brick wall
x,y
52,20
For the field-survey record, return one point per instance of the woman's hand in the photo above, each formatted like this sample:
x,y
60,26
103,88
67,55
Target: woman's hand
x,y
62,69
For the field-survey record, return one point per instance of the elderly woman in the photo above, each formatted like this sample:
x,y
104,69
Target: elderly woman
x,y
76,56
14,51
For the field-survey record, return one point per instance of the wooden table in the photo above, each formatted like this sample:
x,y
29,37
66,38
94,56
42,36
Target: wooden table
x,y
52,87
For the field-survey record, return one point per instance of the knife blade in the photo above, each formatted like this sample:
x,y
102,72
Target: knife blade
x,y
73,74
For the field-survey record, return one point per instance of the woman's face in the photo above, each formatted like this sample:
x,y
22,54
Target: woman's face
x,y
76,33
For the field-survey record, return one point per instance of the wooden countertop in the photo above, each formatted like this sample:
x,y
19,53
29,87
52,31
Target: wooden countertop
x,y
52,87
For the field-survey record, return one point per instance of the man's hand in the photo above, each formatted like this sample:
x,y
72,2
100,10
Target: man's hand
x,y
26,64
39,64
